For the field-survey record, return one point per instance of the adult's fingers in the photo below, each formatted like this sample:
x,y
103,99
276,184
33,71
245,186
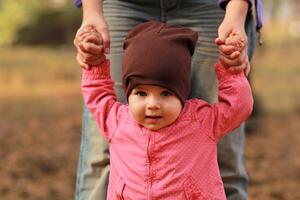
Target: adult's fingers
x,y
79,59
93,38
227,49
236,41
76,42
91,49
86,29
248,68
230,61
98,61
236,66
86,64
232,56
219,41
237,69
89,58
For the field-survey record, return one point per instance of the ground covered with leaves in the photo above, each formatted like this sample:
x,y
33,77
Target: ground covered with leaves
x,y
39,146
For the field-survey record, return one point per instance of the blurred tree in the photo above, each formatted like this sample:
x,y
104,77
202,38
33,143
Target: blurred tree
x,y
273,5
52,26
14,14
33,22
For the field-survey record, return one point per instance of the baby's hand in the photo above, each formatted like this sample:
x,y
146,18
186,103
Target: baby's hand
x,y
233,53
89,44
89,34
235,40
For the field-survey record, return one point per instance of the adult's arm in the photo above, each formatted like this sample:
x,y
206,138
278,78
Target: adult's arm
x,y
258,10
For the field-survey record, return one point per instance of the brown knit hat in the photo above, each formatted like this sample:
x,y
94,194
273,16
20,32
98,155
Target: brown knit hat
x,y
159,54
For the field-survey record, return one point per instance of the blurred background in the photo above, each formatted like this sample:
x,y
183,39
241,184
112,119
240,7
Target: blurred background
x,y
40,102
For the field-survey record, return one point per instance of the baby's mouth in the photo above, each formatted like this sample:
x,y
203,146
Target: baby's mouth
x,y
153,117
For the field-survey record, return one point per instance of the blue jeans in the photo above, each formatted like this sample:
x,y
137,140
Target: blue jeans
x,y
203,16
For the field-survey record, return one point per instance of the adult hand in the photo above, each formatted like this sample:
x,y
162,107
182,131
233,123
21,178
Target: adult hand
x,y
92,51
234,21
232,57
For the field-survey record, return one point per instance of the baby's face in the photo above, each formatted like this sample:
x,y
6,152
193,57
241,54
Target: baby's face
x,y
154,107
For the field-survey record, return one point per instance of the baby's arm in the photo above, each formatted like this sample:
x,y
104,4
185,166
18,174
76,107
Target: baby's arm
x,y
235,99
100,98
98,87
234,104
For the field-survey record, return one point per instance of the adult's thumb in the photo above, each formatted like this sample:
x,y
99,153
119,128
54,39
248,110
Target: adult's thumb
x,y
222,35
219,42
220,39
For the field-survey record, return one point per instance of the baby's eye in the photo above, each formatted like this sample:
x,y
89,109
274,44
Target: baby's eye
x,y
166,93
141,93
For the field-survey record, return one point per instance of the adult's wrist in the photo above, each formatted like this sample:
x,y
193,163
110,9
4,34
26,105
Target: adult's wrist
x,y
92,8
236,11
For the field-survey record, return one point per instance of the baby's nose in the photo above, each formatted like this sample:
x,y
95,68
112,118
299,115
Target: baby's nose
x,y
153,103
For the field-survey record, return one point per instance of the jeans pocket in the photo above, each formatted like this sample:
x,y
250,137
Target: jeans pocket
x,y
192,191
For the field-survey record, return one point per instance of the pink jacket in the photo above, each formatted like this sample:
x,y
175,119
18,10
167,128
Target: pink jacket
x,y
176,162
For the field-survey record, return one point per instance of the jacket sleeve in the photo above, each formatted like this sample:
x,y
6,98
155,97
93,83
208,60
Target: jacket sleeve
x,y
77,3
100,98
223,3
234,106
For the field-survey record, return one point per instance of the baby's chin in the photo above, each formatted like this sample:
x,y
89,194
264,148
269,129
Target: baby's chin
x,y
155,127
152,127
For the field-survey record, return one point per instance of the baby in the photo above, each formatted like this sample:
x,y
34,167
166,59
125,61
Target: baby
x,y
162,145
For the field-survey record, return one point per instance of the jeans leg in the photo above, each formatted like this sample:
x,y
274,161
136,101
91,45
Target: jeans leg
x,y
231,162
93,162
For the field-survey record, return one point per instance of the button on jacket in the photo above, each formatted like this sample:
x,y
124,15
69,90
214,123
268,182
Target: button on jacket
x,y
177,162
